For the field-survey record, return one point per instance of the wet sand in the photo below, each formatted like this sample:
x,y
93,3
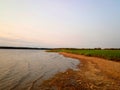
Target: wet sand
x,y
94,74
27,69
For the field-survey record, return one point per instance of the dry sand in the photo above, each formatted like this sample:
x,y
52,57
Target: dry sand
x,y
93,74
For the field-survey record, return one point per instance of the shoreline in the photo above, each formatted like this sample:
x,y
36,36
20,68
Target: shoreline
x,y
93,74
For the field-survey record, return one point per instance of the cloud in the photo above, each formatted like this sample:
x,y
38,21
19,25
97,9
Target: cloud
x,y
18,42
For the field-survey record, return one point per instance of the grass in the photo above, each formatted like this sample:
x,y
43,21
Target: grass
x,y
107,54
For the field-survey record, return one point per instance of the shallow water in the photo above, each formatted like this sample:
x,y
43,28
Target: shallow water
x,y
26,69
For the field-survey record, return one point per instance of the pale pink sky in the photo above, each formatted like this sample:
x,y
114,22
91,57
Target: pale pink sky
x,y
60,23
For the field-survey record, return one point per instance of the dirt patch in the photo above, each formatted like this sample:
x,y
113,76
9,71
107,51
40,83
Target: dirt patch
x,y
94,74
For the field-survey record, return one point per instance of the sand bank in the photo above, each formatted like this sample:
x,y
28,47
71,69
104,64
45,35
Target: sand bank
x,y
93,74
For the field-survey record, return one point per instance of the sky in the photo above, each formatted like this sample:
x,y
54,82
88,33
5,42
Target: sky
x,y
60,23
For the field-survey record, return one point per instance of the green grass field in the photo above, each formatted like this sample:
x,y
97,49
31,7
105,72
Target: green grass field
x,y
107,54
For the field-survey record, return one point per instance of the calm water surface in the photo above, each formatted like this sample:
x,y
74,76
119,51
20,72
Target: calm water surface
x,y
26,69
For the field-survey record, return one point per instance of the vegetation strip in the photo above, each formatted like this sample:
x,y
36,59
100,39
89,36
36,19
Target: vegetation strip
x,y
106,54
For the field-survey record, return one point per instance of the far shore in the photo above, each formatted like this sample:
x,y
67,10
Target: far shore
x,y
94,74
27,48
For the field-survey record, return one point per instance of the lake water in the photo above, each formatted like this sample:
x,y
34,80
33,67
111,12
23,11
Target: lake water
x,y
26,69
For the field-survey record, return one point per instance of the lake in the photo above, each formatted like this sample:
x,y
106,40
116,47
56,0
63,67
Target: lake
x,y
26,69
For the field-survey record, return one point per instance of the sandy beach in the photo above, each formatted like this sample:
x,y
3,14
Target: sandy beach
x,y
93,74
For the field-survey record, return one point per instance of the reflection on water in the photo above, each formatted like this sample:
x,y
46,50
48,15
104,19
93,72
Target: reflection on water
x,y
26,69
